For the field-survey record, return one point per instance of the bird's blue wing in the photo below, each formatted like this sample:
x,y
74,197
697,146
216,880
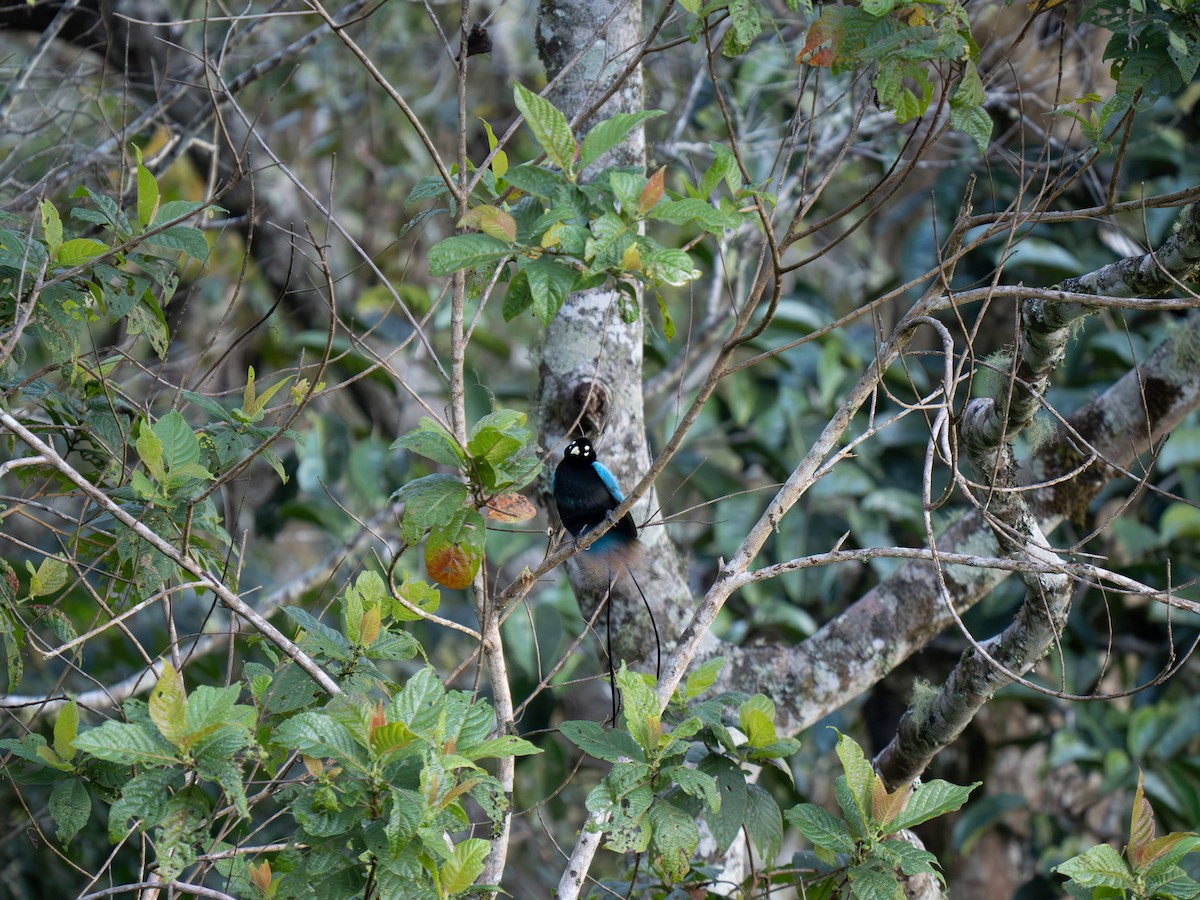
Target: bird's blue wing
x,y
609,482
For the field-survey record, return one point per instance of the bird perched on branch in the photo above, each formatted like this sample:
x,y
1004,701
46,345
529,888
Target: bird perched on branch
x,y
586,493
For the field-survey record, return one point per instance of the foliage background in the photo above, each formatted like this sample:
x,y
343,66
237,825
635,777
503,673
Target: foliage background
x,y
292,298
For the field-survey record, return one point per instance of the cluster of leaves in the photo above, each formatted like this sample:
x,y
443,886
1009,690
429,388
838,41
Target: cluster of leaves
x,y
1149,869
565,234
150,767
384,775
496,463
387,785
130,275
1154,48
663,778
745,20
863,850
905,43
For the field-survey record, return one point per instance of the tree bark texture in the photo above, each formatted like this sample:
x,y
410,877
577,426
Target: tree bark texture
x,y
590,378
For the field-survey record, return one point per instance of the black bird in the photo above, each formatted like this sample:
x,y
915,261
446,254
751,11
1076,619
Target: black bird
x,y
586,493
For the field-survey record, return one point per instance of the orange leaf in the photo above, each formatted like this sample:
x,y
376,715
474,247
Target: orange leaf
x,y
652,192
509,508
818,44
450,564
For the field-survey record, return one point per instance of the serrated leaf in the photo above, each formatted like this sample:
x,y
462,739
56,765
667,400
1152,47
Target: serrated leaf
x,y
822,829
872,884
535,180
549,126
550,281
70,808
669,266
126,744
727,821
433,441
430,501
592,739
675,837
764,821
932,799
465,251
317,734
1100,866
605,135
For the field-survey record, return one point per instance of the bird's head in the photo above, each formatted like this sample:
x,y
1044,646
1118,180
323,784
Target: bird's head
x,y
580,449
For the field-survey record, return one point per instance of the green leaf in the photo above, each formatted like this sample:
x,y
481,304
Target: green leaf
x,y
930,800
535,180
147,192
465,251
431,440
418,702
52,227
78,251
49,577
517,298
143,797
548,125
1100,866
693,211
702,677
605,135
403,819
822,829
757,720
316,734
169,705
66,727
180,832
464,865
860,775
209,708
746,26
726,822
127,744
550,281
669,266
871,884
641,710
966,109
500,747
594,740
70,808
764,821
675,837
696,783
430,501
904,856
179,444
